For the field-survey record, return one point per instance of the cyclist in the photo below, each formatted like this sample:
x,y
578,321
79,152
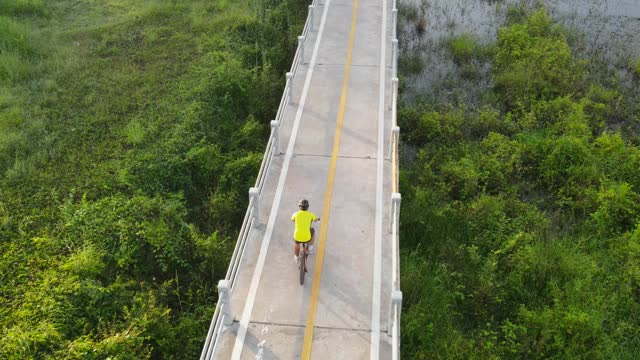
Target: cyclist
x,y
303,231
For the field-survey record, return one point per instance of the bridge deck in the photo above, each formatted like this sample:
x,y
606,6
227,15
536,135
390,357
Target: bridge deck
x,y
270,307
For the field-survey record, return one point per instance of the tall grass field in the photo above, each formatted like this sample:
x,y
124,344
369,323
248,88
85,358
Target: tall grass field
x,y
129,134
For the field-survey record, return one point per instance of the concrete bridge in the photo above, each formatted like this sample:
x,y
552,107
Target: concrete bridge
x,y
334,142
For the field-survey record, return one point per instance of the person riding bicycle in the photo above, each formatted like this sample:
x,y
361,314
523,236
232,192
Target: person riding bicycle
x,y
303,231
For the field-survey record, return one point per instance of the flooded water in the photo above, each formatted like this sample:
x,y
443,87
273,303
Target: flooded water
x,y
606,30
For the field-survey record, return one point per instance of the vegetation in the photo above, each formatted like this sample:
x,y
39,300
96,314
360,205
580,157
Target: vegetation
x,y
635,68
520,217
462,47
129,134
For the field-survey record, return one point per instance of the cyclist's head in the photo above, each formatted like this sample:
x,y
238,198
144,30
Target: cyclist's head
x,y
303,204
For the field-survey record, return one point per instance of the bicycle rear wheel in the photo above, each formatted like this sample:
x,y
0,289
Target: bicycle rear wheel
x,y
303,264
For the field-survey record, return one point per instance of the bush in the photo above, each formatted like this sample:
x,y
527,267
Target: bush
x,y
618,159
143,237
426,333
433,127
618,208
461,177
567,160
533,62
462,47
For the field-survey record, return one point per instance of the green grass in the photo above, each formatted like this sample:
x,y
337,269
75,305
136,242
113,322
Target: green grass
x,y
128,129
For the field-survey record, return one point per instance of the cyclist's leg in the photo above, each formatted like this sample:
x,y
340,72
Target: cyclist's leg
x,y
296,248
313,232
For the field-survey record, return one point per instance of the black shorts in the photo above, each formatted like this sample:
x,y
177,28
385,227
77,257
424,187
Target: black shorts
x,y
313,231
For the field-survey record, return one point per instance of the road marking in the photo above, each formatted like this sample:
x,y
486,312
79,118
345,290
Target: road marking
x,y
377,247
257,273
315,287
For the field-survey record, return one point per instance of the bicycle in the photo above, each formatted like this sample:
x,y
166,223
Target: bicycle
x,y
306,218
304,254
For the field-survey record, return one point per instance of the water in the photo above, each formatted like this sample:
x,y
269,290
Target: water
x,y
606,30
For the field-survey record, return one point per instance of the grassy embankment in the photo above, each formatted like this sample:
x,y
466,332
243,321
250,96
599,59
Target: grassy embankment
x,y
520,217
130,132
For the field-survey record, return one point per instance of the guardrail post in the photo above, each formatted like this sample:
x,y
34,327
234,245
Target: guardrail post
x,y
396,300
275,125
301,46
394,83
394,58
254,194
396,297
396,198
395,210
311,18
290,86
224,292
394,91
394,22
395,132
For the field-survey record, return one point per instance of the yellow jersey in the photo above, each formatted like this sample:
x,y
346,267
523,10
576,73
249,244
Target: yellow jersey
x,y
303,220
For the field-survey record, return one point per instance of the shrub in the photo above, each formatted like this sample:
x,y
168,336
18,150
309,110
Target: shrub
x,y
602,106
618,208
500,163
565,161
487,120
461,177
575,124
426,333
516,14
619,160
435,128
143,237
462,47
533,62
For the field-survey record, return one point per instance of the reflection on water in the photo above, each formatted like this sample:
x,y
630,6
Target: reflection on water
x,y
608,30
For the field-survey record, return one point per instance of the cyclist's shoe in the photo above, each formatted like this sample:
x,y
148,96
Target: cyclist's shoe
x,y
296,259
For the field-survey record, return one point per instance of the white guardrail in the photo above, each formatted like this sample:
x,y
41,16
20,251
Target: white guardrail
x,y
222,316
395,308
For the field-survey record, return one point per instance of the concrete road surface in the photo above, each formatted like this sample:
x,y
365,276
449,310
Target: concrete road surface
x,y
272,311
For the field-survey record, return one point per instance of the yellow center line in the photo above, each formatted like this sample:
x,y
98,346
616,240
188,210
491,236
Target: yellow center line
x,y
315,287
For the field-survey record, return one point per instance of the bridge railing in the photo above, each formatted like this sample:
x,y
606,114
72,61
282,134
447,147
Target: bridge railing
x,y
223,315
395,308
